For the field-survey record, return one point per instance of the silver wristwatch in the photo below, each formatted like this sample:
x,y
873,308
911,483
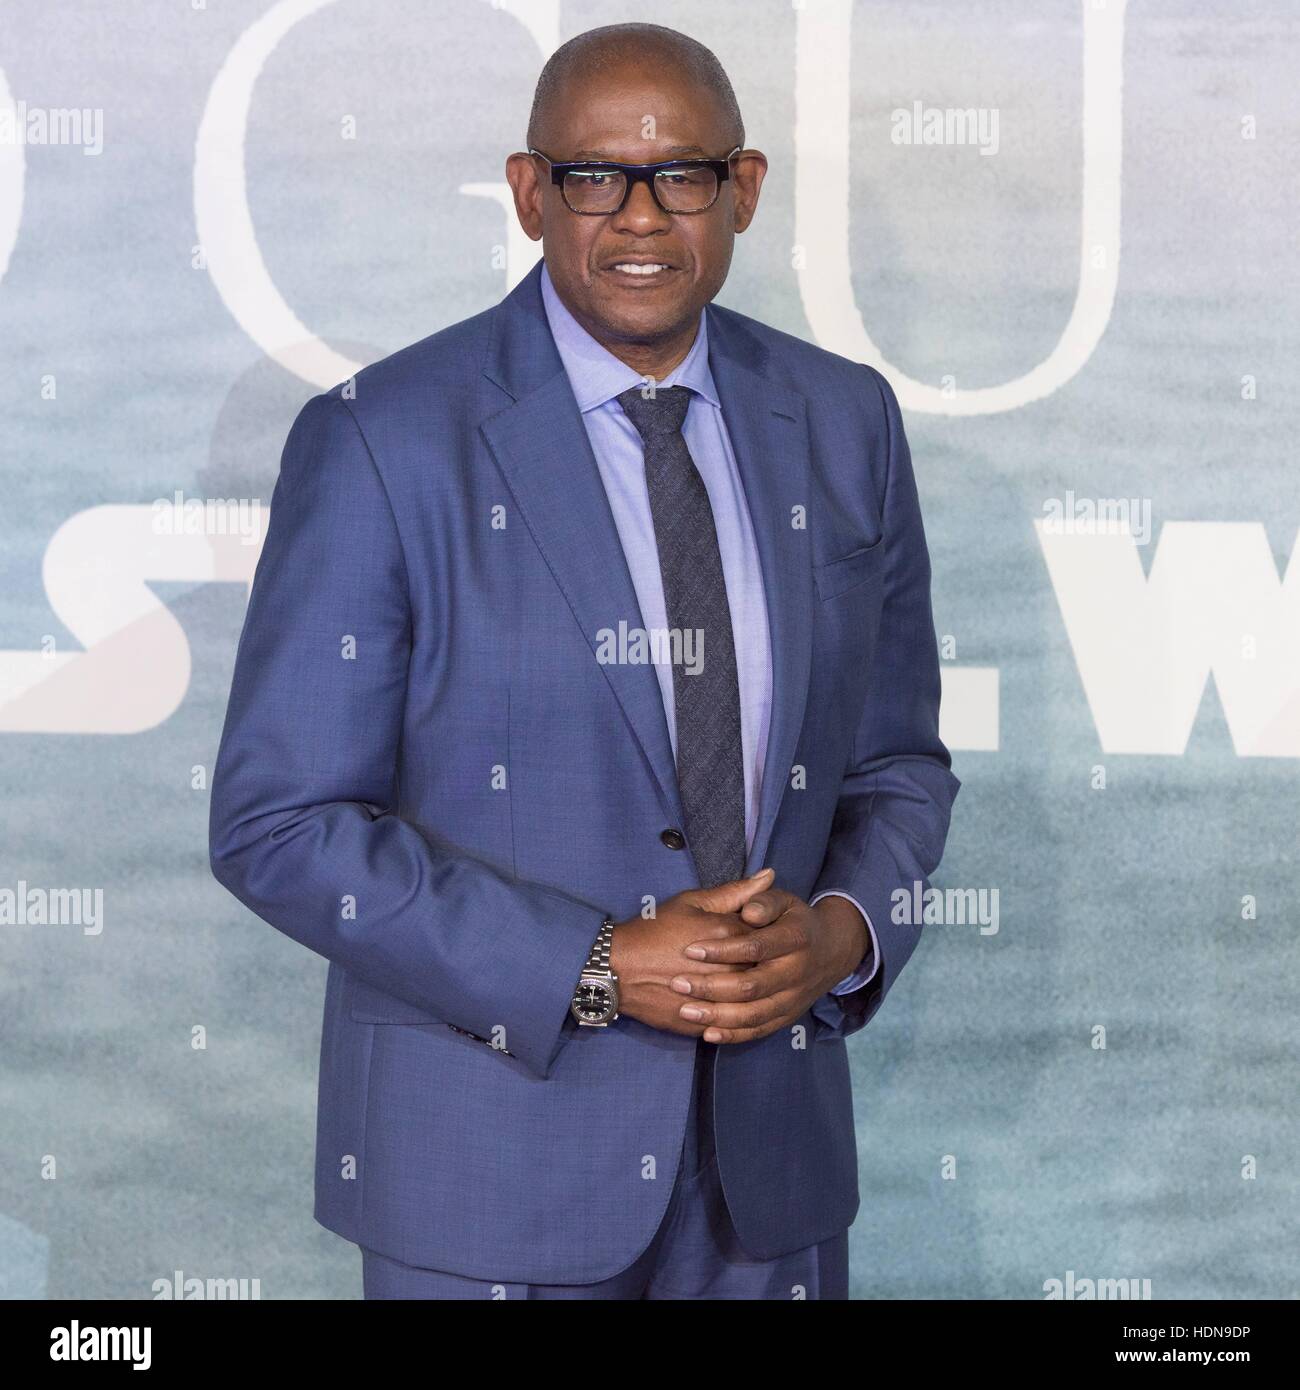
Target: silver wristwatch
x,y
595,1001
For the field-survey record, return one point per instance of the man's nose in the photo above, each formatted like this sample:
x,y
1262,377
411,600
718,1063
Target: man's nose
x,y
641,215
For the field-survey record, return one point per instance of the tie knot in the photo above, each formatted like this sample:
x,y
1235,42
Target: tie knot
x,y
656,413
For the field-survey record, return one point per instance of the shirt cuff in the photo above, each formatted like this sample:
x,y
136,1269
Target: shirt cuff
x,y
870,963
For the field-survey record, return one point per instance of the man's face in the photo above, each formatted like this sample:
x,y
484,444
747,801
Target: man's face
x,y
633,115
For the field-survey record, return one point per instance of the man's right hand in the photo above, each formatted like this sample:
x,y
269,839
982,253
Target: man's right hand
x,y
646,952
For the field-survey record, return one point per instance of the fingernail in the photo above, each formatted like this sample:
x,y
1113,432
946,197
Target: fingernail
x,y
696,953
681,984
691,1012
712,1035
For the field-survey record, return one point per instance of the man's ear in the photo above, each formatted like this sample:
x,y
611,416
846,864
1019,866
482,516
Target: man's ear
x,y
748,170
521,172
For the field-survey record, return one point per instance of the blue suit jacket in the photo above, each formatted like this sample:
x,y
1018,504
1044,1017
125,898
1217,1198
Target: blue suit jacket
x,y
427,777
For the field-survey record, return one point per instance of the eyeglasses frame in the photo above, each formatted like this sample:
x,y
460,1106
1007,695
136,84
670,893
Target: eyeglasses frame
x,y
638,173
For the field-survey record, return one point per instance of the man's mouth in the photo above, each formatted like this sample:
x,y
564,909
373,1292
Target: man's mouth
x,y
634,272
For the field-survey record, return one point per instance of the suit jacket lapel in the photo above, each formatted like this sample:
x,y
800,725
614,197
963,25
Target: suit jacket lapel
x,y
767,423
541,446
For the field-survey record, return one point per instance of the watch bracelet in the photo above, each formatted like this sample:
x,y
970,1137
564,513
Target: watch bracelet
x,y
598,957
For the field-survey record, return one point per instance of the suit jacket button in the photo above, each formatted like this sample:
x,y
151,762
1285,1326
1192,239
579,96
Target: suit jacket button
x,y
674,839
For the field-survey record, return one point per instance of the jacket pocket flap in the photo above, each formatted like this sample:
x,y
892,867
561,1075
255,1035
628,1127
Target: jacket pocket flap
x,y
839,576
366,1004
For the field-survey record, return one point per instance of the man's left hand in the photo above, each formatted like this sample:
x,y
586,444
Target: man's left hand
x,y
800,953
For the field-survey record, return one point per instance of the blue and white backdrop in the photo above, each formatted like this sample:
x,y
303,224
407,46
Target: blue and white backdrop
x,y
1065,230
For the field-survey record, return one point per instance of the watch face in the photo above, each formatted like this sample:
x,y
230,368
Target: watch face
x,y
593,1001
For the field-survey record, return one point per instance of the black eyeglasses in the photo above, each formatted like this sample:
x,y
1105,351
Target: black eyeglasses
x,y
595,188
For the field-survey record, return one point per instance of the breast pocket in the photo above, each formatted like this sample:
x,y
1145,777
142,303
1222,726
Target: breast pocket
x,y
845,622
850,571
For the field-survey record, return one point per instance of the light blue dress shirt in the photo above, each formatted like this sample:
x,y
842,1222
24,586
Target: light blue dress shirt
x,y
598,378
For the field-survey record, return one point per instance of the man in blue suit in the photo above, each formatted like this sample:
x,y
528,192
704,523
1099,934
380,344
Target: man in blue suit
x,y
585,718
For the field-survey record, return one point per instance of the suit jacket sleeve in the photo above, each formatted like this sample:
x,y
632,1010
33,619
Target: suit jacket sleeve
x,y
892,816
303,828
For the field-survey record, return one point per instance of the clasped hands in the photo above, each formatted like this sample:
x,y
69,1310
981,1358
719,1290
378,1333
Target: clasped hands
x,y
736,962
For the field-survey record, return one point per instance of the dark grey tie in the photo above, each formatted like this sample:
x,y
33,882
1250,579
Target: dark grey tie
x,y
710,761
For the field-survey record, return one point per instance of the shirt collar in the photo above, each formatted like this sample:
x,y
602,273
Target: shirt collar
x,y
597,376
